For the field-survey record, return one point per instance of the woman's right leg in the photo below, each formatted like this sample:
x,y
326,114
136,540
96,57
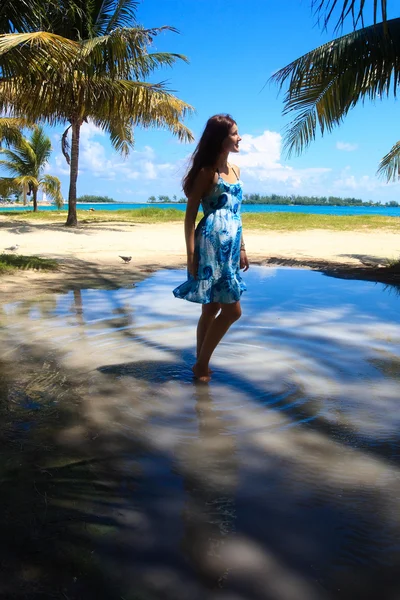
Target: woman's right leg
x,y
207,318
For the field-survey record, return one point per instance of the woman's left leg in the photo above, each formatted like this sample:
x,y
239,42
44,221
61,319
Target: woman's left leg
x,y
215,332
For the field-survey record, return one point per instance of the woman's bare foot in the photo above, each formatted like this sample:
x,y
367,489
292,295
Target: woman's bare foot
x,y
210,371
202,375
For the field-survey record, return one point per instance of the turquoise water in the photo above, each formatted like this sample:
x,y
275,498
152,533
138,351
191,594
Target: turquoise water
x,y
253,208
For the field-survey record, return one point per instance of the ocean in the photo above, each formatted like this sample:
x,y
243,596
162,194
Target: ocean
x,y
246,208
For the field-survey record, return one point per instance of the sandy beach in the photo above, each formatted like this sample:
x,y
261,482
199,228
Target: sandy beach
x,y
92,251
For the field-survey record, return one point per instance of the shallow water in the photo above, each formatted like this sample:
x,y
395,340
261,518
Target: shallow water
x,y
279,480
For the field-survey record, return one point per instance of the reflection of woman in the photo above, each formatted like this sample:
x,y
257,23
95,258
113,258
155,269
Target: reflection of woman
x,y
209,512
215,250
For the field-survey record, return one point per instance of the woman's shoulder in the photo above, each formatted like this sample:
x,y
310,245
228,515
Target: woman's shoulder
x,y
236,168
206,178
207,173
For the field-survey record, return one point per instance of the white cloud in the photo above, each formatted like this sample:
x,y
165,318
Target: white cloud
x,y
145,172
260,158
90,130
346,146
61,167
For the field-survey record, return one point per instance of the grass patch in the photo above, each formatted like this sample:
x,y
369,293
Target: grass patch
x,y
137,215
274,221
13,262
302,222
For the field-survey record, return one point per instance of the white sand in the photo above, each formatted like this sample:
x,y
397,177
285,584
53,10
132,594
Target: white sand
x,y
163,244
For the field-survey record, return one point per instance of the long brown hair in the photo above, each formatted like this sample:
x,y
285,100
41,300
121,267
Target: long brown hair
x,y
208,149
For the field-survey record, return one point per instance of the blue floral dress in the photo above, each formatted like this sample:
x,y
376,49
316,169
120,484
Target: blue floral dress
x,y
217,245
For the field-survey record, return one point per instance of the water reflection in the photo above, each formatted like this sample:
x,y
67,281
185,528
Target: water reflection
x,y
209,470
278,481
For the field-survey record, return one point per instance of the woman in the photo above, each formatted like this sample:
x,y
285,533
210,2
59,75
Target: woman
x,y
215,250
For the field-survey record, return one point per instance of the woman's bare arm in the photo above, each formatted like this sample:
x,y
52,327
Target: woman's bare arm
x,y
244,261
201,186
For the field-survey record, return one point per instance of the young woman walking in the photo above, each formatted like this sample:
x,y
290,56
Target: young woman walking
x,y
215,249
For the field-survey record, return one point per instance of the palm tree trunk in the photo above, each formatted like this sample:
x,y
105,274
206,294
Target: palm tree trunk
x,y
24,191
34,197
72,220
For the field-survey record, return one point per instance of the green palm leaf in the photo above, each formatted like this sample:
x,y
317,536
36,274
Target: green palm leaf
x,y
121,135
27,180
11,129
389,167
19,15
123,14
34,54
355,9
103,98
41,147
124,53
21,160
8,186
52,187
323,85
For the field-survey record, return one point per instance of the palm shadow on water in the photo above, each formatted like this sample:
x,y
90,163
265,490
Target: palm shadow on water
x,y
66,513
289,401
364,582
62,508
59,500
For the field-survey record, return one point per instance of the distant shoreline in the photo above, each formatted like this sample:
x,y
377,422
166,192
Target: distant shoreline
x,y
139,208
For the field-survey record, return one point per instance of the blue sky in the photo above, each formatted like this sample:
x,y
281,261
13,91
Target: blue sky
x,y
233,48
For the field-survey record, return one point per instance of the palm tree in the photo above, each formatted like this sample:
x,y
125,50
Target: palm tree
x,y
101,78
26,161
324,84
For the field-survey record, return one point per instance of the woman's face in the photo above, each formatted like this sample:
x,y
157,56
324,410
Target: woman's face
x,y
231,143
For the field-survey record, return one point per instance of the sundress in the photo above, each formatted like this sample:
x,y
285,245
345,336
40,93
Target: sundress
x,y
217,245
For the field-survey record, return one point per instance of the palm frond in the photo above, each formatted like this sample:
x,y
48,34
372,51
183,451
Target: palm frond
x,y
34,54
324,84
389,167
19,161
101,12
146,105
8,186
353,9
11,129
55,102
124,15
121,135
69,19
124,53
20,15
27,181
52,187
41,147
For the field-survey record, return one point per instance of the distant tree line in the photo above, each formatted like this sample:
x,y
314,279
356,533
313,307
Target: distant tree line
x,y
93,199
165,199
287,200
311,200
